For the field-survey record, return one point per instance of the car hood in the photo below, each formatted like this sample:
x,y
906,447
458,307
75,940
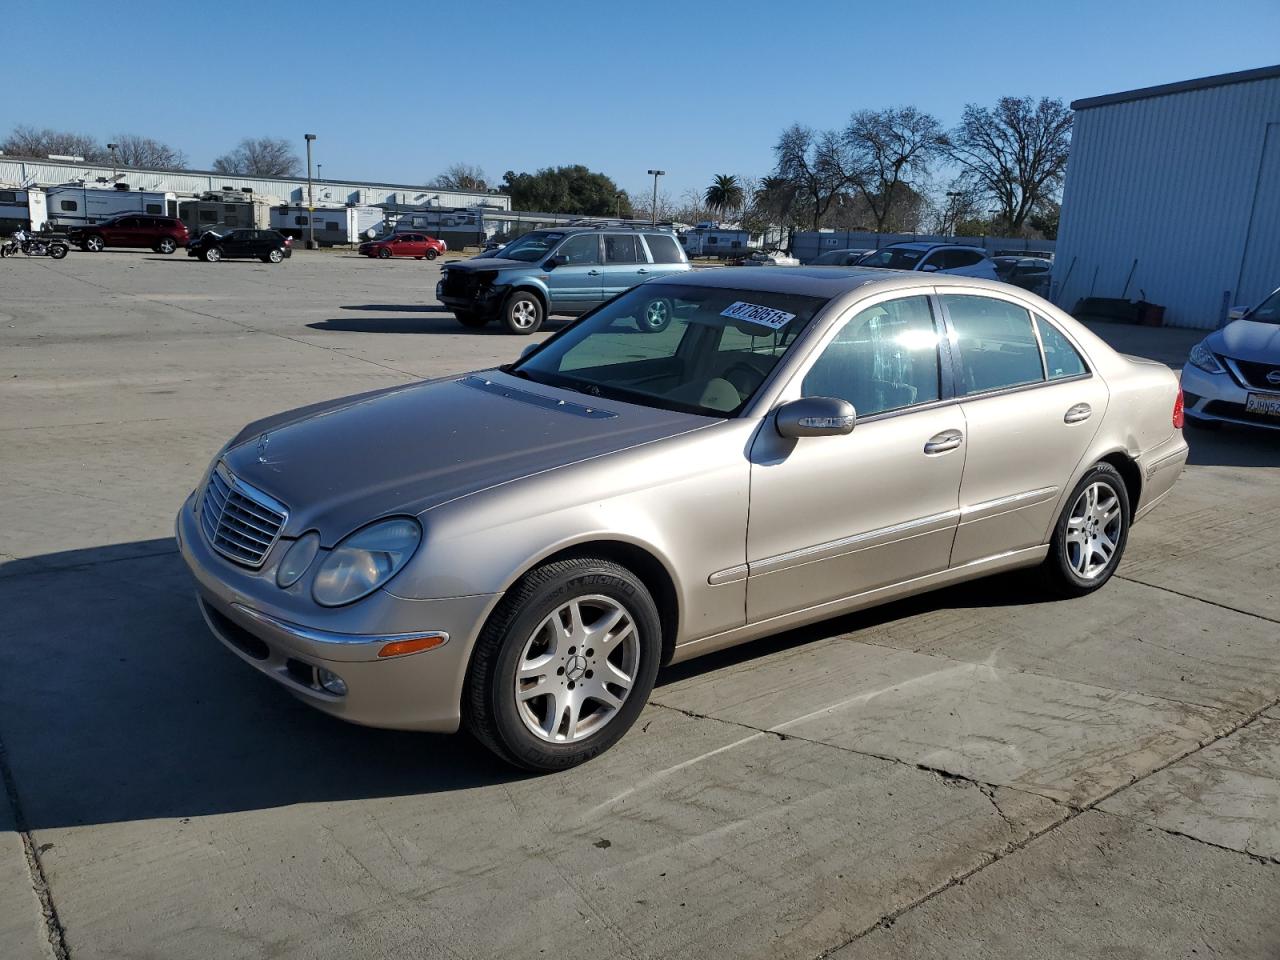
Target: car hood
x,y
489,263
1248,340
342,464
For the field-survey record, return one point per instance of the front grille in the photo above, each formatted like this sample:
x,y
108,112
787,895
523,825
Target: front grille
x,y
460,283
1254,374
241,523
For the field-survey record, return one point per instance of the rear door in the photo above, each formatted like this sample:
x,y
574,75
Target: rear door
x,y
625,263
414,245
576,283
664,256
1029,422
237,243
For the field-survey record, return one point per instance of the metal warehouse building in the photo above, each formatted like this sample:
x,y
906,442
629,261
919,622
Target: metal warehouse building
x,y
1173,196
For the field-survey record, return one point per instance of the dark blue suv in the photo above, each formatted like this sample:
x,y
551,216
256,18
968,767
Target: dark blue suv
x,y
566,270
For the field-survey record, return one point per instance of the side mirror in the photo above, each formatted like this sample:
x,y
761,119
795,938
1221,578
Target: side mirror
x,y
1235,313
551,263
929,268
815,417
528,350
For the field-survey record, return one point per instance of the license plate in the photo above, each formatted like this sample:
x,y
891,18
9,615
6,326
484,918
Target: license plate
x,y
1268,406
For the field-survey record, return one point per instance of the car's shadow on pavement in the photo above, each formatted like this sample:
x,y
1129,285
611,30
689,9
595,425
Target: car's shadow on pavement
x,y
400,307
1233,446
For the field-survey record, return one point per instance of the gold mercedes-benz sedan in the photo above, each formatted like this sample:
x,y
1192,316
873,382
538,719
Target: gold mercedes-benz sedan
x,y
519,550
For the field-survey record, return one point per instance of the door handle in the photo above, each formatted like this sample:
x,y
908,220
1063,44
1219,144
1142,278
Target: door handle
x,y
593,273
1078,414
642,270
944,441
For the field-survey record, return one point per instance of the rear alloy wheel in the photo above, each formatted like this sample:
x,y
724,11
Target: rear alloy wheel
x,y
95,243
565,664
522,313
656,316
275,256
473,320
384,254
212,255
1090,536
166,246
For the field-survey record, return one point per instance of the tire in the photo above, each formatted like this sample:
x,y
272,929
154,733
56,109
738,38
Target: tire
x,y
384,254
274,256
473,320
431,254
95,243
212,255
1084,529
166,246
656,315
567,725
522,313
57,251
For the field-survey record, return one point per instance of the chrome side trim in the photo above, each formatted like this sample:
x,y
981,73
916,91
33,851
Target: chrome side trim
x,y
312,635
852,544
729,575
990,508
1177,456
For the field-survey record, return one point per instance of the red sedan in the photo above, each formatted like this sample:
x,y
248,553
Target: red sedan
x,y
416,245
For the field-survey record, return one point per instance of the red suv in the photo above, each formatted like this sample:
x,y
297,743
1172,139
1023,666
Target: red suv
x,y
416,245
161,234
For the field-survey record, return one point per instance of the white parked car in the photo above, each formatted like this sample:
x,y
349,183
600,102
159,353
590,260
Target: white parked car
x,y
933,258
771,258
1233,375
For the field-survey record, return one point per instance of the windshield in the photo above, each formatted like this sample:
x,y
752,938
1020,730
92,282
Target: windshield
x,y
532,246
702,350
1268,311
892,258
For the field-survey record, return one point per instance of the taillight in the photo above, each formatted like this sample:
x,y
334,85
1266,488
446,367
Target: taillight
x,y
1177,411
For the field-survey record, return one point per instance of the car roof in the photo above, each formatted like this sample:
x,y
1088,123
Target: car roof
x,y
813,281
925,245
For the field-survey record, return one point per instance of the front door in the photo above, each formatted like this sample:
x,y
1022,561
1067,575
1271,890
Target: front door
x,y
832,517
121,232
237,243
576,282
1031,415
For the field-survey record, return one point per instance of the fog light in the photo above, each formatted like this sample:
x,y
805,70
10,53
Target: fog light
x,y
331,682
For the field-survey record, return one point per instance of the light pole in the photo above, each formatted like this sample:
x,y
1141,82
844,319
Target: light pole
x,y
617,204
311,207
654,209
112,147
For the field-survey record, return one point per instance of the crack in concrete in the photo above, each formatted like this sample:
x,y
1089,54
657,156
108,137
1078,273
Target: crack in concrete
x,y
1188,596
35,869
1256,857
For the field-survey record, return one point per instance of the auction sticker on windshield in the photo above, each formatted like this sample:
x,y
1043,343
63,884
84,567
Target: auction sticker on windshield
x,y
754,313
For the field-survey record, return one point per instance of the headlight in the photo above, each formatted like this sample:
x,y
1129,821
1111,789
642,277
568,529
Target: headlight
x,y
365,561
1202,357
296,561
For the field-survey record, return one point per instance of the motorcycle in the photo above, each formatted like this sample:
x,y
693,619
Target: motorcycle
x,y
54,247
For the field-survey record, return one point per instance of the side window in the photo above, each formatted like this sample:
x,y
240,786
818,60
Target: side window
x,y
962,258
208,216
155,208
937,260
300,221
331,225
620,248
129,222
68,205
996,342
583,248
1060,358
663,248
883,358
8,196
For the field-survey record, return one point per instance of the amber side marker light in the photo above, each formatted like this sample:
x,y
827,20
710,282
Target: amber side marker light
x,y
399,648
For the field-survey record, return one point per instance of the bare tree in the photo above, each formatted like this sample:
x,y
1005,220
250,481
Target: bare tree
x,y
1014,153
28,141
133,150
642,206
888,149
260,157
817,164
462,176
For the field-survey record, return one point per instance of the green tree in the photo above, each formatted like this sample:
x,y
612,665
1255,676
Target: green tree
x,y
568,189
724,194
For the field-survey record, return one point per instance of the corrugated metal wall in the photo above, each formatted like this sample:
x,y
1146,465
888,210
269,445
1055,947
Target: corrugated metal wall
x,y
1171,182
51,173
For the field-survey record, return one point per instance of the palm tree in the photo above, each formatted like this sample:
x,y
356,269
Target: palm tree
x,y
724,193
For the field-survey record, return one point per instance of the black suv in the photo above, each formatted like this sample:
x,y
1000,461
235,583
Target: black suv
x,y
267,245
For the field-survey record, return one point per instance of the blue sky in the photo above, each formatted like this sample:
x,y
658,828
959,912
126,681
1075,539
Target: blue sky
x,y
399,91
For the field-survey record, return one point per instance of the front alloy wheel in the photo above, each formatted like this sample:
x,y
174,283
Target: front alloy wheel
x,y
564,665
1090,535
656,316
523,313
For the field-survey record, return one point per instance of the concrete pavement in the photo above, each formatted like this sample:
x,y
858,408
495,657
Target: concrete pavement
x,y
977,772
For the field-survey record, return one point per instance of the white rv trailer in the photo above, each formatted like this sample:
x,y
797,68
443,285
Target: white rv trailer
x,y
77,205
332,225
21,210
709,239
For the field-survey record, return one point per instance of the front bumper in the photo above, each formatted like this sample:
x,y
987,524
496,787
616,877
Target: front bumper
x,y
289,643
1219,398
484,300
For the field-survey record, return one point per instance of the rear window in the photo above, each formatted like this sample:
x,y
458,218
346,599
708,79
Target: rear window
x,y
663,248
1060,358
